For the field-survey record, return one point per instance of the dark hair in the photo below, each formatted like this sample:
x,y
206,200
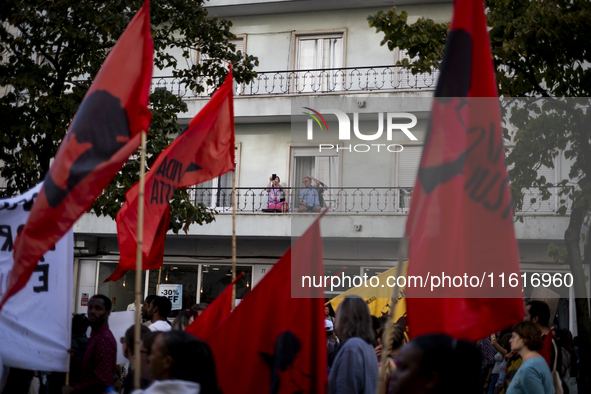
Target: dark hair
x,y
200,307
398,336
193,360
148,339
564,338
445,356
183,319
130,334
530,333
149,299
106,301
505,342
541,310
80,324
163,304
353,320
330,309
377,328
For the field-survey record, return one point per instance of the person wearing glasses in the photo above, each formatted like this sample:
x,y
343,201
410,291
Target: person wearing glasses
x,y
128,352
311,197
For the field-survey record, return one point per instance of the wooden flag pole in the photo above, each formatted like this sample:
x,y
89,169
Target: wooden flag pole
x,y
138,264
159,276
233,238
387,337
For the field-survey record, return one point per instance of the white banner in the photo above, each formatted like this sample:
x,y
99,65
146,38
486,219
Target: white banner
x,y
35,324
119,322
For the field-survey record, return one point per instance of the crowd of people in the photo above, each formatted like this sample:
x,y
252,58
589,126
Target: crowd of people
x,y
530,357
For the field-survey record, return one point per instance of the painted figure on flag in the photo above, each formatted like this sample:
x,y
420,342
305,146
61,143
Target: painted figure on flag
x,y
98,131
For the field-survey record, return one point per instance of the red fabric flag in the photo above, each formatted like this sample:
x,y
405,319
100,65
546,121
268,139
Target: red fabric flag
x,y
104,132
460,222
274,342
203,151
208,321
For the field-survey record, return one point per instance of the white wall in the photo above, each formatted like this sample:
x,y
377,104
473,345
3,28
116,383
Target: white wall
x,y
86,283
265,149
258,271
269,36
363,48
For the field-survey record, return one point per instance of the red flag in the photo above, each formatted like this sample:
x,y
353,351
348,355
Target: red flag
x,y
103,134
203,151
460,223
277,343
208,321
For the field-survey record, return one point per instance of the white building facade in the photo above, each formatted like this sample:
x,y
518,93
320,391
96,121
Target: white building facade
x,y
310,53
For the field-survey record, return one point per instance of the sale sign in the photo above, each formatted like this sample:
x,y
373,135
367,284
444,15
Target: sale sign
x,y
174,293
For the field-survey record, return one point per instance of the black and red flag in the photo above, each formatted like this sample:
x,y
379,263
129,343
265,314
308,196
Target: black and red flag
x,y
203,151
460,222
277,341
103,134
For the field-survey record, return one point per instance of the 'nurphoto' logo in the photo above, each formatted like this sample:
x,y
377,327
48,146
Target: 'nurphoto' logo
x,y
345,129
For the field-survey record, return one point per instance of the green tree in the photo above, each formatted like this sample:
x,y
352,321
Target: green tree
x,y
540,49
51,50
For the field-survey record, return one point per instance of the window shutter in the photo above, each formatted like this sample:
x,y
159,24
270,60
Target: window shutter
x,y
408,166
239,42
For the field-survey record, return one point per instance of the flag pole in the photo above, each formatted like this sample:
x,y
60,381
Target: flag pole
x,y
233,238
387,336
159,275
138,264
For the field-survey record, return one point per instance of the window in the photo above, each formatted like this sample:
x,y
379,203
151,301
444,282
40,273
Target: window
x,y
122,292
319,52
321,165
407,167
215,279
217,193
419,81
201,58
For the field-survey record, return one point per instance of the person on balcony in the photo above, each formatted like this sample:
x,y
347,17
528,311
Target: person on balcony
x,y
311,197
275,191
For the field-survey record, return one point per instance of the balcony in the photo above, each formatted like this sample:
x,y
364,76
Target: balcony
x,y
318,81
354,212
348,200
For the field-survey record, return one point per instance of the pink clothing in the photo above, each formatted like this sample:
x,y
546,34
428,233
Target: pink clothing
x,y
278,206
275,199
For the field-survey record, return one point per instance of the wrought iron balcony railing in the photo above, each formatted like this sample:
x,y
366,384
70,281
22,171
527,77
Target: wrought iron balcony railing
x,y
333,80
349,200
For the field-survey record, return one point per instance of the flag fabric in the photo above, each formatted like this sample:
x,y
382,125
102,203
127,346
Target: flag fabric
x,y
203,151
208,321
460,221
379,298
104,132
273,342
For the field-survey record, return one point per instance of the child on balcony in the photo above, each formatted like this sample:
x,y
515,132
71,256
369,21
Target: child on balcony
x,y
275,190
